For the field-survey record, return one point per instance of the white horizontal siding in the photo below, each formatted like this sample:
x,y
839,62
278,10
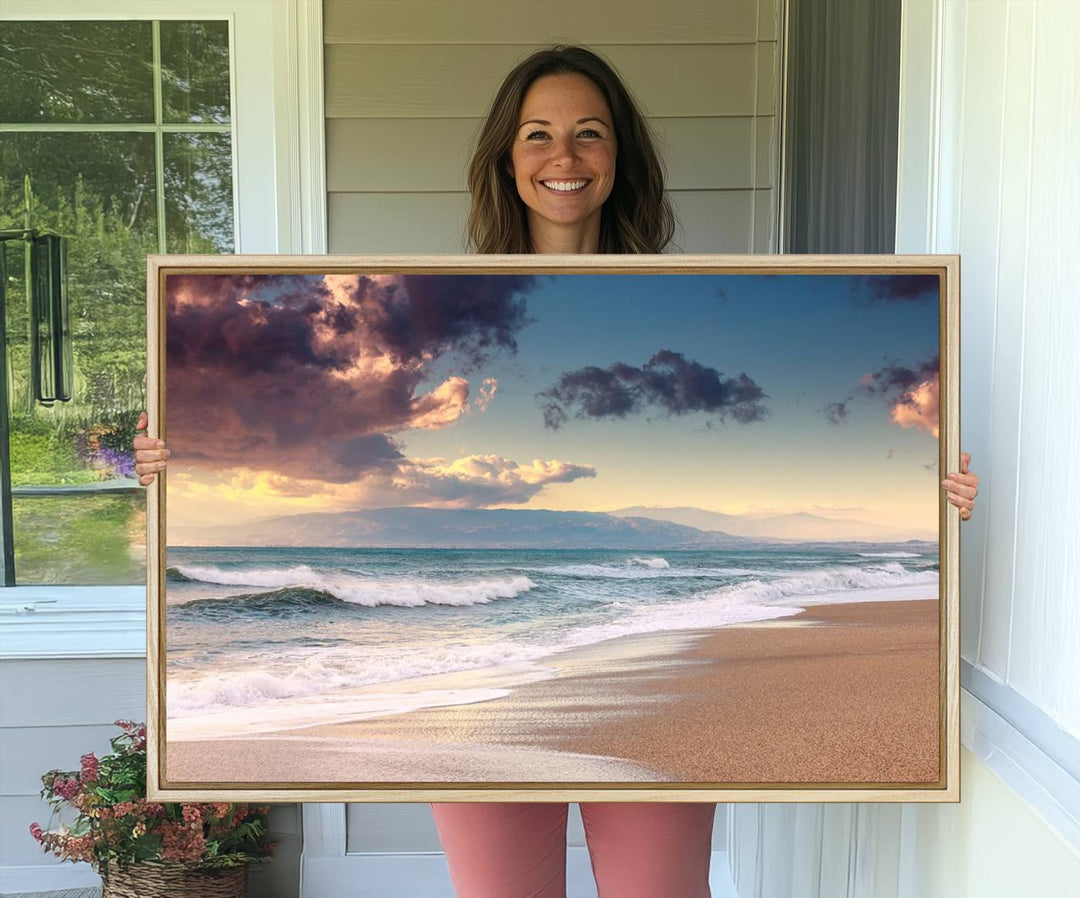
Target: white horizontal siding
x,y
450,80
374,223
709,221
522,22
76,692
29,751
432,155
407,85
54,712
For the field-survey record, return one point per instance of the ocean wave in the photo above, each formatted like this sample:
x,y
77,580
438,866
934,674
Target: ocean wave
x,y
825,580
278,603
655,564
298,676
757,600
319,590
634,571
889,555
299,575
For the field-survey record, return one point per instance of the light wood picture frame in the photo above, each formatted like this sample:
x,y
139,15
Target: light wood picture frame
x,y
585,528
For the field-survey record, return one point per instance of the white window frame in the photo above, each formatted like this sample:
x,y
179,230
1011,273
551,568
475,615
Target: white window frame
x,y
279,206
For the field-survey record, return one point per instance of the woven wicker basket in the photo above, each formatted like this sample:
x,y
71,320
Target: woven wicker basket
x,y
169,880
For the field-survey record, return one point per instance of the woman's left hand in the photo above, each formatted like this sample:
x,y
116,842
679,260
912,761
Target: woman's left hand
x,y
962,488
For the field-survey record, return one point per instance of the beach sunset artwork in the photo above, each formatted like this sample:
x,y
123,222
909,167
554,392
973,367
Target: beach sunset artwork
x,y
535,528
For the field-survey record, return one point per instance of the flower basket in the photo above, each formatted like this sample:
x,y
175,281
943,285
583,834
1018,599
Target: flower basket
x,y
173,880
147,849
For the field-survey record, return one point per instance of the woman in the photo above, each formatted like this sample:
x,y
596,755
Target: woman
x,y
565,164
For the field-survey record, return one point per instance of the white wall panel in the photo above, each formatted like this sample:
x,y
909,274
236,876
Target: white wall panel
x,y
1002,471
72,692
374,223
424,154
1006,180
28,752
1044,660
459,80
975,229
517,21
713,221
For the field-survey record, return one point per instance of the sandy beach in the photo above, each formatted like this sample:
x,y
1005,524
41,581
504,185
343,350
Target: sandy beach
x,y
839,693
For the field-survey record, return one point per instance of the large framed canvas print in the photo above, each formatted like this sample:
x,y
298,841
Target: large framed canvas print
x,y
553,528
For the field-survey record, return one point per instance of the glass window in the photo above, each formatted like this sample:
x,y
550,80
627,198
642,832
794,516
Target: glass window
x,y
195,71
117,136
76,72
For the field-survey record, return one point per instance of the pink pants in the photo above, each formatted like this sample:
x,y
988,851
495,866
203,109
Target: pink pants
x,y
642,850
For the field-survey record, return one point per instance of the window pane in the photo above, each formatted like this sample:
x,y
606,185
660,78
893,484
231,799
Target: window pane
x,y
76,72
198,193
81,540
97,190
195,71
116,171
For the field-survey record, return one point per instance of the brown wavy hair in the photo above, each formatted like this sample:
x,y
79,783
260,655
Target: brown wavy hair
x,y
637,216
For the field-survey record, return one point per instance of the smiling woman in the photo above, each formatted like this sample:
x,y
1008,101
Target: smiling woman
x,y
563,162
561,117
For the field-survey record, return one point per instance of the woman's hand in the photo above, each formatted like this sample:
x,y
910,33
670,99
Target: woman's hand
x,y
962,488
150,454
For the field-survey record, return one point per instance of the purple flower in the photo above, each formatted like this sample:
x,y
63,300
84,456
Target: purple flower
x,y
119,462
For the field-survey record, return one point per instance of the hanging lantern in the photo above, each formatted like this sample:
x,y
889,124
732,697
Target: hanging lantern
x,y
51,360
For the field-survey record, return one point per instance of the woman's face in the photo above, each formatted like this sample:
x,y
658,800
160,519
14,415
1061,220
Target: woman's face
x,y
563,154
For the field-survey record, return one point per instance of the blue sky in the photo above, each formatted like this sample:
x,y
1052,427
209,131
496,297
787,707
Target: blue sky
x,y
338,392
805,340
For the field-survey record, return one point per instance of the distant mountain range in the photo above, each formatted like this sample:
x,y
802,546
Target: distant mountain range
x,y
796,527
628,528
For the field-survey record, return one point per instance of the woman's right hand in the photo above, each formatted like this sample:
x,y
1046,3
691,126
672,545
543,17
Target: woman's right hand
x,y
150,454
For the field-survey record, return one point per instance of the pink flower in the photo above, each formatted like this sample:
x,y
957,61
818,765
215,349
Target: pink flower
x,y
181,842
36,831
149,808
192,814
65,788
123,808
89,767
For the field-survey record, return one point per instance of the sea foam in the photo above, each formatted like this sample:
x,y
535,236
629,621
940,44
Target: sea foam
x,y
367,591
